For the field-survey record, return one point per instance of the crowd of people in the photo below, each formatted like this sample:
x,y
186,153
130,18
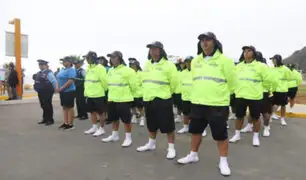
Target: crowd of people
x,y
10,82
207,89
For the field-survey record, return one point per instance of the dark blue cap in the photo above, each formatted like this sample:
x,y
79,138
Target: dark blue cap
x,y
42,62
67,58
277,57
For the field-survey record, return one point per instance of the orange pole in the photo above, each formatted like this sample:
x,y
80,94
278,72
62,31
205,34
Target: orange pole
x,y
19,87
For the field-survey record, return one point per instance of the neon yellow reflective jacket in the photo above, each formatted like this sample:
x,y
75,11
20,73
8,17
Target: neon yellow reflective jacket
x,y
295,79
159,80
186,84
213,80
95,83
252,79
138,92
122,84
178,89
283,74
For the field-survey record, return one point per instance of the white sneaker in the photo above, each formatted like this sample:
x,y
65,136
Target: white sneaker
x,y
283,122
224,169
269,127
232,117
99,132
178,119
227,127
275,116
183,130
146,147
188,159
266,132
235,138
204,133
91,130
111,138
142,121
127,143
256,141
134,119
247,128
171,153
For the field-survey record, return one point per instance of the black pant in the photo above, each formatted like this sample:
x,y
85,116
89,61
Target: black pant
x,y
80,102
45,99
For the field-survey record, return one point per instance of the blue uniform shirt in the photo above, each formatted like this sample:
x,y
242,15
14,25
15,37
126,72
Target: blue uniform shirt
x,y
63,76
52,79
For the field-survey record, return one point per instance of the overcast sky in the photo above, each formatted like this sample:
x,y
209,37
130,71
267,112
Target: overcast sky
x,y
62,27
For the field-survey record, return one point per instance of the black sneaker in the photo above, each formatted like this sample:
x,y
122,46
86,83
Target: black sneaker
x,y
48,123
83,118
63,126
69,127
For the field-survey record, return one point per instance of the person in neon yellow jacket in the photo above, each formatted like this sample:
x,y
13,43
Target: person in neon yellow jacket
x,y
159,83
177,96
213,76
294,82
138,101
267,102
280,97
252,78
122,84
95,86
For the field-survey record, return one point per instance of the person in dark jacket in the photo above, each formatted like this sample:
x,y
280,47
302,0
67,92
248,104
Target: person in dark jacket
x,y
13,81
45,84
79,83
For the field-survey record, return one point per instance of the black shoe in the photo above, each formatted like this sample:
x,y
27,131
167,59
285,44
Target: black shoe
x,y
41,122
83,118
63,126
48,123
108,122
69,127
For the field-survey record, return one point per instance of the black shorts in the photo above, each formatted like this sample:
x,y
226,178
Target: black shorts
x,y
292,92
280,98
97,105
138,103
186,108
215,116
159,114
232,100
266,103
255,108
177,101
121,111
67,99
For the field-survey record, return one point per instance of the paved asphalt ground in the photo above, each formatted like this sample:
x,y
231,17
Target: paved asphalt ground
x,y
32,152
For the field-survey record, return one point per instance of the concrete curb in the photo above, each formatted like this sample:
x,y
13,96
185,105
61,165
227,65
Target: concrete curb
x,y
25,96
294,115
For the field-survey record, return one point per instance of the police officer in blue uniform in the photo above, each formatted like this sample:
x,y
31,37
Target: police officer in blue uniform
x,y
79,83
45,84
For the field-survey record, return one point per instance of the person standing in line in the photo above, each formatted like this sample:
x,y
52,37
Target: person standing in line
x,y
138,100
45,85
177,95
294,82
159,83
252,78
280,97
214,79
186,88
79,84
66,89
13,81
95,92
122,83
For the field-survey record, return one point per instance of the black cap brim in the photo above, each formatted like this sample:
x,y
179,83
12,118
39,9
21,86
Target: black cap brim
x,y
207,36
249,47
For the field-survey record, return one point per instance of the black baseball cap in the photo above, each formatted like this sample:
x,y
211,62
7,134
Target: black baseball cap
x,y
91,54
277,57
207,35
115,54
156,44
249,47
42,62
